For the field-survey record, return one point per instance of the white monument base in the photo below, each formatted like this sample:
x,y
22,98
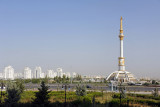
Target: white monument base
x,y
123,76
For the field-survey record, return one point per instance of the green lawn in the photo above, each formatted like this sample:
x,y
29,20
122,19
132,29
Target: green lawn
x,y
102,99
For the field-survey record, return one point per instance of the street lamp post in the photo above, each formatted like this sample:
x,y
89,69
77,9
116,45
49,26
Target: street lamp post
x,y
65,86
102,92
120,90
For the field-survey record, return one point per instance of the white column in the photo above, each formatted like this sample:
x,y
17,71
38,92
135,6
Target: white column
x,y
121,48
121,58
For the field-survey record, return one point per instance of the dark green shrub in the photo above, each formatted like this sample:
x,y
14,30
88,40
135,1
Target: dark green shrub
x,y
81,90
145,96
87,99
42,95
27,80
76,102
146,84
114,103
116,95
13,93
35,81
155,93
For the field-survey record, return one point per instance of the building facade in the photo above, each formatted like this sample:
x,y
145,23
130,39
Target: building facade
x,y
27,73
9,73
59,72
49,73
37,72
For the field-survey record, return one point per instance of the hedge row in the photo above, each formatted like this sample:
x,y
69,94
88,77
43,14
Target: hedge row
x,y
144,96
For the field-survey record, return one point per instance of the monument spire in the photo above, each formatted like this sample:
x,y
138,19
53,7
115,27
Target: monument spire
x,y
121,28
121,58
121,75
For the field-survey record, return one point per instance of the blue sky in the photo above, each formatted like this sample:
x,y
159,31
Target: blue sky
x,y
80,36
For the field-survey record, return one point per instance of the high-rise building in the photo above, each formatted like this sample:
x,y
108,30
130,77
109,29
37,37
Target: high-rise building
x,y
50,73
68,74
27,73
54,74
9,73
37,72
18,75
42,75
59,72
121,75
74,75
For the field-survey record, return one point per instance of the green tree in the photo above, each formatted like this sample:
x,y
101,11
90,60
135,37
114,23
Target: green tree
x,y
155,92
146,84
157,83
20,85
13,93
35,81
81,90
153,81
42,95
67,79
57,79
27,80
78,78
122,91
46,79
64,79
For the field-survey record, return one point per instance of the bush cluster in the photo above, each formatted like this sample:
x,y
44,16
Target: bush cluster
x,y
145,96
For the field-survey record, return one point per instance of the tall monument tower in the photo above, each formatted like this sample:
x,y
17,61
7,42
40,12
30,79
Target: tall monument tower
x,y
121,74
121,58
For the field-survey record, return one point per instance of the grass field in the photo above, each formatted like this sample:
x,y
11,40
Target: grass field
x,y
100,98
59,96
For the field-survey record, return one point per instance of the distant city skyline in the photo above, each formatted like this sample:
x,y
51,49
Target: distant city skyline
x,y
9,73
80,36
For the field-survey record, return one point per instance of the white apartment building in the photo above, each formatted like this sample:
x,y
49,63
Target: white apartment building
x,y
37,72
59,72
42,75
54,74
74,74
18,75
49,73
68,74
27,73
9,73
